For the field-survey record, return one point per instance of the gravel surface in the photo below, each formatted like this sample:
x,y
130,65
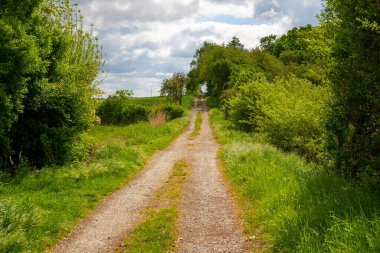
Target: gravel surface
x,y
105,229
209,221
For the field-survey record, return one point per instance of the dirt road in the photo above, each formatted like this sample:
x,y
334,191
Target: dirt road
x,y
208,220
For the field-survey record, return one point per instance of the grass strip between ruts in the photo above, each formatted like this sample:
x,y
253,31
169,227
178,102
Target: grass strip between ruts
x,y
158,231
197,127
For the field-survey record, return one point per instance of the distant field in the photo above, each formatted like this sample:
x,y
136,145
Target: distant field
x,y
187,101
149,101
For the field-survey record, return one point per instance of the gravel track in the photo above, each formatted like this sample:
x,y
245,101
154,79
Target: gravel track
x,y
105,229
208,221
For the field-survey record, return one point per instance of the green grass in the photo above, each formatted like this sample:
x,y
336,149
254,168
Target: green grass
x,y
187,101
290,205
154,234
149,101
38,208
197,127
158,231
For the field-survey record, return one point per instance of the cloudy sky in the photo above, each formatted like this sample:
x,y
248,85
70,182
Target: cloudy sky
x,y
146,41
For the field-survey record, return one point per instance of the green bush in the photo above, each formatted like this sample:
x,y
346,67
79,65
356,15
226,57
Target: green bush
x,y
119,109
246,106
48,71
295,113
134,113
173,111
291,113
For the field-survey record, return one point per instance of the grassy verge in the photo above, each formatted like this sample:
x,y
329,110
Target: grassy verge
x,y
157,232
37,208
293,206
197,127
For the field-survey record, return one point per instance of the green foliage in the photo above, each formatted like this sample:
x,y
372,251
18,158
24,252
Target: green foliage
x,y
188,102
292,206
173,88
295,113
37,208
119,109
235,42
212,102
246,106
306,51
173,111
267,43
291,113
47,68
223,68
355,122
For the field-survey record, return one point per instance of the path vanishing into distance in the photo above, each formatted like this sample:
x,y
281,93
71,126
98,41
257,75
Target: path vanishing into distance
x,y
208,219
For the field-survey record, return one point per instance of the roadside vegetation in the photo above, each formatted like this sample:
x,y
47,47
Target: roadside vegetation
x,y
158,231
38,207
290,205
313,90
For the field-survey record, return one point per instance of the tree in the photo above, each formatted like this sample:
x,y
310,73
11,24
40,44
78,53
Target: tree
x,y
173,88
235,42
306,50
48,68
267,43
355,122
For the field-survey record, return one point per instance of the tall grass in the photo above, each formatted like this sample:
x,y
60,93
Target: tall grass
x,y
37,208
290,205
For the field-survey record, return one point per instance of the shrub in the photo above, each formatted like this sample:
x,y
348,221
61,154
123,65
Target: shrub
x,y
173,111
246,106
134,113
290,112
48,71
295,113
119,109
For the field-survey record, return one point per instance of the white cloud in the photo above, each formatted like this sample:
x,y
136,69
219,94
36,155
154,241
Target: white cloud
x,y
147,40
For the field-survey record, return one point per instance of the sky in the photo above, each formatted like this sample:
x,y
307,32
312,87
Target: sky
x,y
146,41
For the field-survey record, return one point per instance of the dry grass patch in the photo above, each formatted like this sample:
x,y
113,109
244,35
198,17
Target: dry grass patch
x,y
158,119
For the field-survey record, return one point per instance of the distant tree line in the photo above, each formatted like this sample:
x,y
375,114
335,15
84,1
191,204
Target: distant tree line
x,y
314,90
